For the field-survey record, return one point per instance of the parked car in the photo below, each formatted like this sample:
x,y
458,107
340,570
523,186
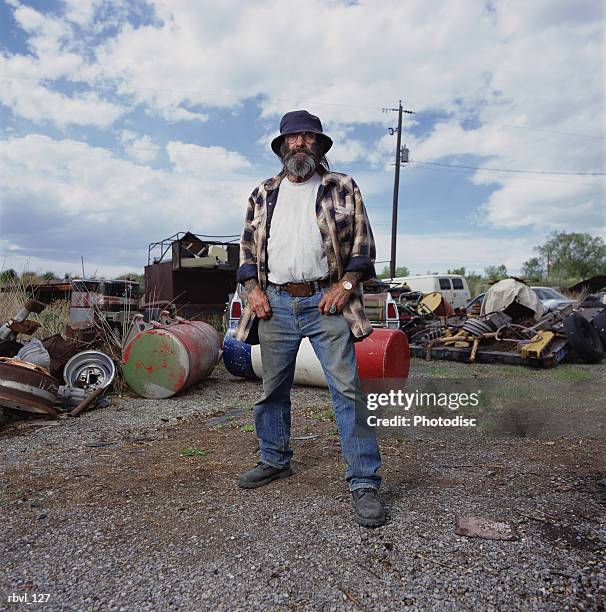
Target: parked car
x,y
474,306
549,297
453,287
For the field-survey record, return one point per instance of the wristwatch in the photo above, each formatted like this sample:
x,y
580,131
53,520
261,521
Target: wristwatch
x,y
347,285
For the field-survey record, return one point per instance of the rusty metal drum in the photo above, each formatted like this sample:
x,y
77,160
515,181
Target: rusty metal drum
x,y
162,360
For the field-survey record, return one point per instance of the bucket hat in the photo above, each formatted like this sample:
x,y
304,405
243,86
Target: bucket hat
x,y
301,121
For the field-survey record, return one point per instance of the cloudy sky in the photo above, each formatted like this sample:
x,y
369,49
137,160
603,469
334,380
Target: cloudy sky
x,y
123,122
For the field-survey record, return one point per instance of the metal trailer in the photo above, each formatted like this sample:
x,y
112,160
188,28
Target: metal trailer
x,y
193,274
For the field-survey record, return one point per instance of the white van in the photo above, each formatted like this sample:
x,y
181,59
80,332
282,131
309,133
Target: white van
x,y
453,287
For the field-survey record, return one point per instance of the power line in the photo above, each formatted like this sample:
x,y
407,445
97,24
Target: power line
x,y
524,127
521,127
188,151
434,166
516,171
541,179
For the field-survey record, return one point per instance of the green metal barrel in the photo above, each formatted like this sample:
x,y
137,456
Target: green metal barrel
x,y
165,359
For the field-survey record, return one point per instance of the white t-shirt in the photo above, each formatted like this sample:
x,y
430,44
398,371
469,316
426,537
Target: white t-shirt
x,y
294,250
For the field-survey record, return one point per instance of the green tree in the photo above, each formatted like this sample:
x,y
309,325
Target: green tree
x,y
400,271
8,276
460,271
131,276
137,278
533,269
573,255
496,272
473,280
49,276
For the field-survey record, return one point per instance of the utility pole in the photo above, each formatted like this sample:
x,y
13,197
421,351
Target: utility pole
x,y
396,184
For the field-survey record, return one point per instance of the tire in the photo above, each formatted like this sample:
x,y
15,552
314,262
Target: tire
x,y
599,322
583,338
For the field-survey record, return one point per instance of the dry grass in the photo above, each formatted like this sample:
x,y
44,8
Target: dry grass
x,y
53,318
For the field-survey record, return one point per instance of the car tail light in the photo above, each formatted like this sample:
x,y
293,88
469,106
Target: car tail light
x,y
236,310
392,311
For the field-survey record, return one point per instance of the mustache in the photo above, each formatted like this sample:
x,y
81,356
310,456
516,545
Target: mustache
x,y
303,150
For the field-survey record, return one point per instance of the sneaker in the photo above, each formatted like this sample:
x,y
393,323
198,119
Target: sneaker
x,y
262,474
368,507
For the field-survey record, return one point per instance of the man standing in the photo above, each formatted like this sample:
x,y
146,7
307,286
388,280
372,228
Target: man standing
x,y
306,247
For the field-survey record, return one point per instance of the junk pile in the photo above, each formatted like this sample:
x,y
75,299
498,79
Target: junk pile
x,y
53,376
31,372
512,327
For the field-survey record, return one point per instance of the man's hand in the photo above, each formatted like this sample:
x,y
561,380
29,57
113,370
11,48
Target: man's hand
x,y
259,303
336,296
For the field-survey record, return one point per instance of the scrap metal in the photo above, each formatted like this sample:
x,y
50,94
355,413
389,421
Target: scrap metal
x,y
27,387
20,324
90,370
538,344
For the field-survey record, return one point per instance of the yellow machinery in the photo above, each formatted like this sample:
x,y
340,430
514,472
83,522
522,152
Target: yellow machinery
x,y
537,344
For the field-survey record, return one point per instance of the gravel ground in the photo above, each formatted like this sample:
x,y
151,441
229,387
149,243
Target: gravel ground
x,y
104,511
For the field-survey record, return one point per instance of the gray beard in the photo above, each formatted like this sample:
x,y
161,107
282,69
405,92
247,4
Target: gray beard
x,y
300,168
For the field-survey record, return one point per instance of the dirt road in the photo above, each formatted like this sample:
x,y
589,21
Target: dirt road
x,y
135,507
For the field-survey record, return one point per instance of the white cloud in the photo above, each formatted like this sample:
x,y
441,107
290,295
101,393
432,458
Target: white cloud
x,y
84,200
486,65
440,252
558,205
50,42
346,149
30,100
221,54
81,12
140,148
21,261
46,33
204,161
178,113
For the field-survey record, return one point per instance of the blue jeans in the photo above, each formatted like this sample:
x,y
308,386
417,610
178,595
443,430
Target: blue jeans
x,y
293,319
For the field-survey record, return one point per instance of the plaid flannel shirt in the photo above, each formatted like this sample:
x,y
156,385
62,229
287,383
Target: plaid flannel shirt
x,y
346,236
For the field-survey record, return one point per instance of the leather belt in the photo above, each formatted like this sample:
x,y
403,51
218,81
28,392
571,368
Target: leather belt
x,y
303,289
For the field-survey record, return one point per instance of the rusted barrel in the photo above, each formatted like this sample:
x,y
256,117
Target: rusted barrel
x,y
382,355
165,359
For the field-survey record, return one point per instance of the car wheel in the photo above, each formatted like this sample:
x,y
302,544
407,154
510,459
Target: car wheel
x,y
583,338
